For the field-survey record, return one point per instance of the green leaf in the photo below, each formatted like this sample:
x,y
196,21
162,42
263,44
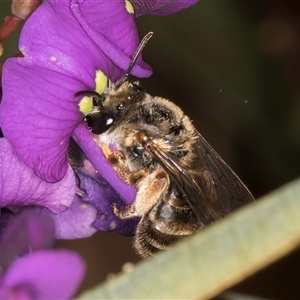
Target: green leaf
x,y
217,258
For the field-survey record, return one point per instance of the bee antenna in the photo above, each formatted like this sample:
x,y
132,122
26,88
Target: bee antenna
x,y
138,51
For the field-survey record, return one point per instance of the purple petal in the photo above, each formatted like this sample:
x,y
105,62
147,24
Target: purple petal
x,y
93,210
40,121
20,186
102,196
160,7
76,222
77,37
63,43
44,274
27,231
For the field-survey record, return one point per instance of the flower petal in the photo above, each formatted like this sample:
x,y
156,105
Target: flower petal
x,y
44,274
78,37
160,7
103,196
75,222
20,186
39,119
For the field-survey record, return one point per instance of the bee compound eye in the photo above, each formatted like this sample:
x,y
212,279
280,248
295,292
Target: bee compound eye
x,y
100,123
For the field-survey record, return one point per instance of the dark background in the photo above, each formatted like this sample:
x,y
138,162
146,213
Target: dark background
x,y
233,67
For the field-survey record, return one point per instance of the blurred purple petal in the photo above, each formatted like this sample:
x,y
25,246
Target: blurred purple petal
x,y
27,231
22,292
6,218
44,274
20,186
160,7
63,43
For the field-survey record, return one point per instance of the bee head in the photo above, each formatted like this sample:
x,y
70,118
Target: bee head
x,y
111,106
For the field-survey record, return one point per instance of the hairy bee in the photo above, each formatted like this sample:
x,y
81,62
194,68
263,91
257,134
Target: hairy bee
x,y
183,184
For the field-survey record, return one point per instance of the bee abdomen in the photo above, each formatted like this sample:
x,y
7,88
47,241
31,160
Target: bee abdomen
x,y
163,226
148,240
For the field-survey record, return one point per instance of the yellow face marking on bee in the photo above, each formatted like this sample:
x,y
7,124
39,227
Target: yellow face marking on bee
x,y
129,7
85,105
100,82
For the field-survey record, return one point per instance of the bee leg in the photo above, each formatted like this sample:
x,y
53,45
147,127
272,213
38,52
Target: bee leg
x,y
117,160
136,178
150,189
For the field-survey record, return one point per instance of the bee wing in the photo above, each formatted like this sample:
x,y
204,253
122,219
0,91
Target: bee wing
x,y
230,191
209,186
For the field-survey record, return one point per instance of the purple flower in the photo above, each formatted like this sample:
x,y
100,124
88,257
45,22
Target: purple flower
x,y
38,111
31,271
44,274
64,44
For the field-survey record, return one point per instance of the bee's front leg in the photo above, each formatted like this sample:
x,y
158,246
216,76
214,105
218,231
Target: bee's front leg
x,y
117,160
151,188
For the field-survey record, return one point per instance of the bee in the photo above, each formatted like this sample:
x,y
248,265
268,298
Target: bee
x,y
182,184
